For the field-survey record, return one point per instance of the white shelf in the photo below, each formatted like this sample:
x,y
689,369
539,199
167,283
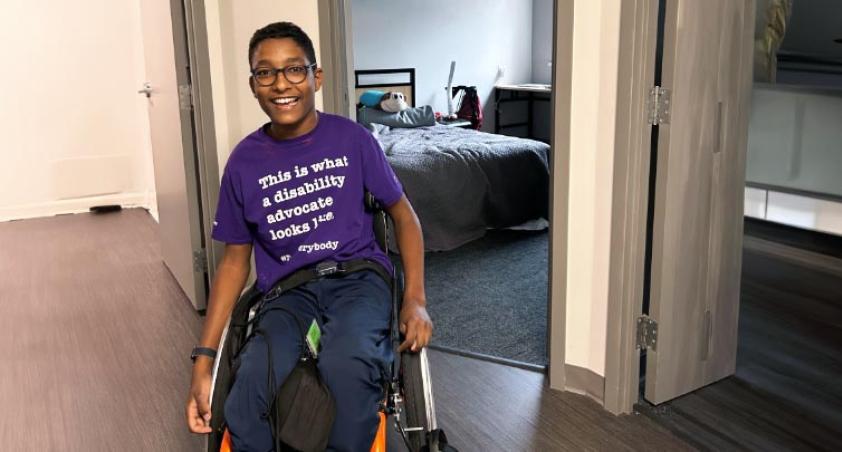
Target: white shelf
x,y
794,210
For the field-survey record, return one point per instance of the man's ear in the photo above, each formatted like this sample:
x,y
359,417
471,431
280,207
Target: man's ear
x,y
317,76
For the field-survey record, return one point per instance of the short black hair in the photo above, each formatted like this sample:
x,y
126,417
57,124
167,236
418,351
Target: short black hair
x,y
280,30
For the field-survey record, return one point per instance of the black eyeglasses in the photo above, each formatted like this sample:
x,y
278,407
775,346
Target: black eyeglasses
x,y
265,76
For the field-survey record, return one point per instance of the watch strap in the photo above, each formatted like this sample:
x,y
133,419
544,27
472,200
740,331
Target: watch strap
x,y
202,351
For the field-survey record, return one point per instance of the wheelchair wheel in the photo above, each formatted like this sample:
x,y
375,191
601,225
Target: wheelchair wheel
x,y
419,408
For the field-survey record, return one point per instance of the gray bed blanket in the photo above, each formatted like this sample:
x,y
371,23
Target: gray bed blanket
x,y
462,182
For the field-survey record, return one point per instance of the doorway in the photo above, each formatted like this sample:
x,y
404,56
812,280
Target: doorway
x,y
183,146
490,287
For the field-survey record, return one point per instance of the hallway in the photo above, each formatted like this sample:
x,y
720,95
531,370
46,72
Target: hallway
x,y
96,336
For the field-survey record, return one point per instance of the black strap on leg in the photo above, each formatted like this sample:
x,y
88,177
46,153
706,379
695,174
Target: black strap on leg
x,y
325,269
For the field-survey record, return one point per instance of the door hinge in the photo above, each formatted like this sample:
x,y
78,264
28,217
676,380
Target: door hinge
x,y
658,106
200,261
647,333
185,97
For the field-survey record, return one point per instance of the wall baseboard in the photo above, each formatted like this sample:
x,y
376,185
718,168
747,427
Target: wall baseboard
x,y
586,382
70,206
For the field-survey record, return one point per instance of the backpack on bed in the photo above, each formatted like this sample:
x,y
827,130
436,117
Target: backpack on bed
x,y
469,105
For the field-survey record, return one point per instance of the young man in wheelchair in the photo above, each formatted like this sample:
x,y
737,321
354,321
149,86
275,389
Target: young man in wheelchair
x,y
292,192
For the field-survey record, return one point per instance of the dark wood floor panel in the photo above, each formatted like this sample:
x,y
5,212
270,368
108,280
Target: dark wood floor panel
x,y
801,258
787,391
492,407
797,238
94,337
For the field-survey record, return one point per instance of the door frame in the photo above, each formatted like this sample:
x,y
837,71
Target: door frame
x,y
633,147
182,180
192,64
560,98
630,197
336,52
204,131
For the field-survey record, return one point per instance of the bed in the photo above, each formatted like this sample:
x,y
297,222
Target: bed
x,y
460,182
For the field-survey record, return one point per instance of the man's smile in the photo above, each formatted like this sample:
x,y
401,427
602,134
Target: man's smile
x,y
285,102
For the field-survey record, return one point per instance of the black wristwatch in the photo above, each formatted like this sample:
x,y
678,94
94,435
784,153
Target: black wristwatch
x,y
202,351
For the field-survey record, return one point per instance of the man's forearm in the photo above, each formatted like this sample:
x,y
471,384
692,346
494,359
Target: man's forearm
x,y
411,245
228,284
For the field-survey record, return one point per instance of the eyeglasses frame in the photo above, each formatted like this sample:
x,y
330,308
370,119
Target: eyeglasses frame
x,y
276,71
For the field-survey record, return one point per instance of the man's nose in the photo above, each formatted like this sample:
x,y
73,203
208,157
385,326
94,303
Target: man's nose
x,y
281,82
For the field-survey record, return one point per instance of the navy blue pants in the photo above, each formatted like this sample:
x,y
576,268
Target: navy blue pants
x,y
353,312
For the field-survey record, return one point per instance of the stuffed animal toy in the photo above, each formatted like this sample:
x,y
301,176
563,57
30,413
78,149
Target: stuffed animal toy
x,y
393,102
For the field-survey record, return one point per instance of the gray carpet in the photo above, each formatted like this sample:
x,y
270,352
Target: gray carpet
x,y
490,296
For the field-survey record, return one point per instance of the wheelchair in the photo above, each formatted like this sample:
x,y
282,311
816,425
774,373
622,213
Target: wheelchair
x,y
407,394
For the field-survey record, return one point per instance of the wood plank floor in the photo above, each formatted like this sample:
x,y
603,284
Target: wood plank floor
x,y
95,333
485,406
787,392
800,239
94,337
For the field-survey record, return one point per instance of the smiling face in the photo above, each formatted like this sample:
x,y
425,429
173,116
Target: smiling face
x,y
290,106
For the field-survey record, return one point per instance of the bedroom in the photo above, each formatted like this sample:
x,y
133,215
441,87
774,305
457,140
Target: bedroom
x,y
482,199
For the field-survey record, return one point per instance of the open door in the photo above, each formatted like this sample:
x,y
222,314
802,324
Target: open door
x,y
698,197
173,148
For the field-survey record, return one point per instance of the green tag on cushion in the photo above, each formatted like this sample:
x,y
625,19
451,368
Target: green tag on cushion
x,y
314,336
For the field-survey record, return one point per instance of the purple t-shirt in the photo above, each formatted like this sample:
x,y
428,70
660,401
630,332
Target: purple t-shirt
x,y
300,201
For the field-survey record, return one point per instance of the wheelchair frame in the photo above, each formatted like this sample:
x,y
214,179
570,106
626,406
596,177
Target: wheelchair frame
x,y
408,395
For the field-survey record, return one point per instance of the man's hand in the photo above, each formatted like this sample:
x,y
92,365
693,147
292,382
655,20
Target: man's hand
x,y
198,403
228,282
415,326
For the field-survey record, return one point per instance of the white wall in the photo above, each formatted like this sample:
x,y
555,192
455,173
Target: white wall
x,y
230,26
795,138
480,35
542,41
73,131
542,55
795,143
596,29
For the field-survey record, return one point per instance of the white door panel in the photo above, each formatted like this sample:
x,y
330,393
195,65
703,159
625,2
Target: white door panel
x,y
172,148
